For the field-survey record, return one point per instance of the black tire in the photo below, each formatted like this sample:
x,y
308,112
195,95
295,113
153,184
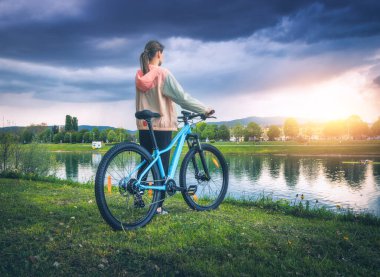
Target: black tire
x,y
210,193
115,199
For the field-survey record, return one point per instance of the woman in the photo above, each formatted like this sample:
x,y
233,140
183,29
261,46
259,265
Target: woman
x,y
156,90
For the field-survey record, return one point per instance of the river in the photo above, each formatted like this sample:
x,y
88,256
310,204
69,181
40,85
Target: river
x,y
327,181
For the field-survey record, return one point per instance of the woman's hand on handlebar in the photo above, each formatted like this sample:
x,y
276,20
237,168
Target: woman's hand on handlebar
x,y
209,112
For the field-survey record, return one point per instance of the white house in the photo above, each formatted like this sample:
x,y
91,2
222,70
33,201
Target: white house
x,y
96,144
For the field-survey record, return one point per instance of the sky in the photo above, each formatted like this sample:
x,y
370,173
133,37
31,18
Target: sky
x,y
305,59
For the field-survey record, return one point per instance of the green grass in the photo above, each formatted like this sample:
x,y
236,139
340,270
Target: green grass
x,y
54,229
363,148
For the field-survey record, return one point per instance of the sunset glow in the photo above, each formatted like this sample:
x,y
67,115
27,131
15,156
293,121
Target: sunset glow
x,y
236,63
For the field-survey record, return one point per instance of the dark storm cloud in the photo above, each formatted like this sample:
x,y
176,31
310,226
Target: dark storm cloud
x,y
66,39
90,34
330,21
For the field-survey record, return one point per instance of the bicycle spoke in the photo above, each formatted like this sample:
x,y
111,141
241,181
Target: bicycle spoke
x,y
210,192
126,204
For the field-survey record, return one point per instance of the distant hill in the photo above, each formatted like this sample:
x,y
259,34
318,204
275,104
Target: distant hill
x,y
263,121
89,127
101,128
15,129
10,129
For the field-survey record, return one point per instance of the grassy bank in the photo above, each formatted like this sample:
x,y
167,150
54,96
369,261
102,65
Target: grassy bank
x,y
55,229
360,148
363,148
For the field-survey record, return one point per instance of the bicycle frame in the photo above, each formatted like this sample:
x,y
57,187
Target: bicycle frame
x,y
180,138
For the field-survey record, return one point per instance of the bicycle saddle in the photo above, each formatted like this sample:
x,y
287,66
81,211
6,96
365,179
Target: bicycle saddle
x,y
146,114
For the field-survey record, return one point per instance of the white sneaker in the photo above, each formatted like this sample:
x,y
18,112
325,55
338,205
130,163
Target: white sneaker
x,y
161,211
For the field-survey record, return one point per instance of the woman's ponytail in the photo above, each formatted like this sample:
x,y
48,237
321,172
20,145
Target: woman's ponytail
x,y
150,51
144,62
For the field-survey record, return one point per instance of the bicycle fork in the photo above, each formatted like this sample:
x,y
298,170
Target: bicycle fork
x,y
199,175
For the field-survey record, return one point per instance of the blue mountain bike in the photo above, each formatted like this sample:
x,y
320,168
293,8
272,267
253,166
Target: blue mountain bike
x,y
129,179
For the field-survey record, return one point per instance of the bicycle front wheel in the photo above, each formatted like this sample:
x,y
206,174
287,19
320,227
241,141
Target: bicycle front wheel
x,y
122,204
207,191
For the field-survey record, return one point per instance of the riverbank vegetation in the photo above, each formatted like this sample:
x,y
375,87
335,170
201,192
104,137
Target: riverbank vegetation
x,y
328,147
55,229
349,129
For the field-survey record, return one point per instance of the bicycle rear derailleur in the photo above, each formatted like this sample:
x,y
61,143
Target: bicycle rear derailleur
x,y
132,188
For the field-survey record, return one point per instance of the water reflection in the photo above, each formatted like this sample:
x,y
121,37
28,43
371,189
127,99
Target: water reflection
x,y
376,173
71,166
354,174
291,170
332,168
327,179
311,168
274,166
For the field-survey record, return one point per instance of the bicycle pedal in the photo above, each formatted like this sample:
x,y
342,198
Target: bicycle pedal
x,y
191,190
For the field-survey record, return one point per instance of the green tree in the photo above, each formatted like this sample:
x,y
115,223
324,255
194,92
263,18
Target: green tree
x,y
58,138
78,137
252,130
103,135
238,130
223,133
68,123
75,124
273,132
96,133
6,145
87,137
208,132
67,137
375,128
27,136
111,136
199,127
46,135
291,128
121,134
356,127
55,129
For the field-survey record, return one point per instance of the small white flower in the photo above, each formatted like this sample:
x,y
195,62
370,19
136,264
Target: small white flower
x,y
56,264
104,260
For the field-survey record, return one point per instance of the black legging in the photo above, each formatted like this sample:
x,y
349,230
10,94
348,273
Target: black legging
x,y
163,139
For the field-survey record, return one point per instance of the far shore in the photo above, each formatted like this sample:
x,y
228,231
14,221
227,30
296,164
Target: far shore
x,y
287,148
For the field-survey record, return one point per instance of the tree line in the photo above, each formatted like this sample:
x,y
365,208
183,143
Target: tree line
x,y
68,134
353,127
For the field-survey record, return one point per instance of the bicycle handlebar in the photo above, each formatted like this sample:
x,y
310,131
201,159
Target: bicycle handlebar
x,y
188,115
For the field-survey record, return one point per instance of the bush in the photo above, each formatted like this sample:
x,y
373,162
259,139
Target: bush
x,y
36,159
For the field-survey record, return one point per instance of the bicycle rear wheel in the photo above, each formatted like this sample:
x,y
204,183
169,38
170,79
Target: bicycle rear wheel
x,y
209,190
121,203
